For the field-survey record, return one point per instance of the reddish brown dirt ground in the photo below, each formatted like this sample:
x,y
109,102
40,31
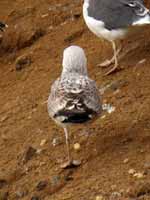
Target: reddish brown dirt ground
x,y
39,30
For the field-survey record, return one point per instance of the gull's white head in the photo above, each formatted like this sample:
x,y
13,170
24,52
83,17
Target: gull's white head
x,y
74,61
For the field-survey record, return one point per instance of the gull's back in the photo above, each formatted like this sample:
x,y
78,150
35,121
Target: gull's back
x,y
74,99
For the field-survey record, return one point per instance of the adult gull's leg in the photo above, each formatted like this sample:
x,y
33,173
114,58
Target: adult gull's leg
x,y
107,62
115,59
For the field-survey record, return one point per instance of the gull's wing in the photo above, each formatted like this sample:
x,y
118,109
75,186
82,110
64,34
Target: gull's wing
x,y
74,100
117,14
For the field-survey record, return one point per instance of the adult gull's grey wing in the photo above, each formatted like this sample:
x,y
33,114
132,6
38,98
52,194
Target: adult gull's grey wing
x,y
117,14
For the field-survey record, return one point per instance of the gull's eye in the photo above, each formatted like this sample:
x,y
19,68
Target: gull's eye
x,y
138,8
132,4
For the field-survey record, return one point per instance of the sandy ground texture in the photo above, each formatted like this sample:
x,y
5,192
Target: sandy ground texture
x,y
114,150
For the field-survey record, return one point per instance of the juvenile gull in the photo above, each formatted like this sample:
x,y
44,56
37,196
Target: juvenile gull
x,y
111,20
74,97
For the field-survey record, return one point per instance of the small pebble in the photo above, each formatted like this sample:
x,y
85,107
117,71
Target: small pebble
x,y
39,151
44,15
76,162
100,197
77,146
113,187
131,171
141,61
43,142
103,116
142,151
73,164
56,141
42,164
126,161
29,117
138,175
4,118
27,169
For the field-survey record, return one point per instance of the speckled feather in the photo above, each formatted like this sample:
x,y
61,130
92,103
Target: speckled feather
x,y
73,94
